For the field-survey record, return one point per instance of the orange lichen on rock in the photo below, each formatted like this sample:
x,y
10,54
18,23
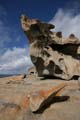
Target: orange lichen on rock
x,y
24,102
57,89
38,98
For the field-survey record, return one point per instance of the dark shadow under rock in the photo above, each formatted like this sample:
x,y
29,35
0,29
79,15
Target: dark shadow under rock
x,y
46,104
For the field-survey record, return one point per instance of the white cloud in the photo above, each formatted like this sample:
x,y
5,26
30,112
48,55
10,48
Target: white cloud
x,y
67,22
15,61
12,60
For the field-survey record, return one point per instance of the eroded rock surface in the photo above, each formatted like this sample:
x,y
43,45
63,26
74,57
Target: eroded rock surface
x,y
50,52
35,99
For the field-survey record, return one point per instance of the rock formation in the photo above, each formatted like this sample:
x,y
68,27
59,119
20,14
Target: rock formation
x,y
27,97
51,54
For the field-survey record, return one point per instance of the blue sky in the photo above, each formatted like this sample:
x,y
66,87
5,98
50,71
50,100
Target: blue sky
x,y
14,47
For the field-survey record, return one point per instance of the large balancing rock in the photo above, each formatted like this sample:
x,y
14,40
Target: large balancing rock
x,y
51,54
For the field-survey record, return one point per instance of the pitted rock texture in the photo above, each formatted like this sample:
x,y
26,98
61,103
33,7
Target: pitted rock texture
x,y
50,52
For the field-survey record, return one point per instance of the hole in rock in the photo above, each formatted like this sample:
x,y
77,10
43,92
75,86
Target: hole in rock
x,y
67,49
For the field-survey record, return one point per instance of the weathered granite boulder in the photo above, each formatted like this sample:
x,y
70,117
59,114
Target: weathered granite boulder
x,y
51,54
